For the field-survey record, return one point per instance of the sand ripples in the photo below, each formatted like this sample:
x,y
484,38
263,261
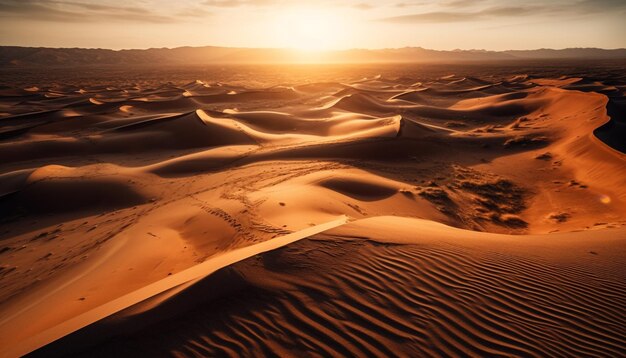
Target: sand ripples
x,y
359,298
157,178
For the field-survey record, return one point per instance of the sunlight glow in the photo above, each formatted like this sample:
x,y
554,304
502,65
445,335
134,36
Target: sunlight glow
x,y
310,29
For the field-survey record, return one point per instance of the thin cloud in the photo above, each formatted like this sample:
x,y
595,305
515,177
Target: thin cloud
x,y
595,6
462,3
462,16
237,3
432,17
363,6
454,11
262,3
226,3
409,4
73,11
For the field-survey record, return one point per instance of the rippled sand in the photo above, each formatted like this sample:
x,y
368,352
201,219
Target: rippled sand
x,y
414,213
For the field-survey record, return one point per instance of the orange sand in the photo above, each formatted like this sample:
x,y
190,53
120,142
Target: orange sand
x,y
485,218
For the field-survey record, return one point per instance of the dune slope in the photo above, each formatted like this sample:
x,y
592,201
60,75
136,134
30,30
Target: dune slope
x,y
390,286
486,213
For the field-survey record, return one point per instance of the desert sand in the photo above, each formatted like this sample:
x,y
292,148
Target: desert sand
x,y
444,211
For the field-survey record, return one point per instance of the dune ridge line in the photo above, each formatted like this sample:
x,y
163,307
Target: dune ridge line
x,y
187,276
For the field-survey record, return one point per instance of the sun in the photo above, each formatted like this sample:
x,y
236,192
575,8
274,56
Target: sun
x,y
309,29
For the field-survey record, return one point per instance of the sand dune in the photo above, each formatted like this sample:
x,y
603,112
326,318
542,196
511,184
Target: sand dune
x,y
389,286
485,215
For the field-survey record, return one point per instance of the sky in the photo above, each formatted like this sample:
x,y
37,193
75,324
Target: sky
x,y
315,25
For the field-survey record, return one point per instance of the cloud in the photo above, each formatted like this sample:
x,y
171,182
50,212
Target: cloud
x,y
462,3
307,3
237,3
455,11
363,6
408,4
464,16
436,16
193,12
74,11
226,3
600,5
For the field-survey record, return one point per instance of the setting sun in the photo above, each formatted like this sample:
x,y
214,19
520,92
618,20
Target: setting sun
x,y
310,29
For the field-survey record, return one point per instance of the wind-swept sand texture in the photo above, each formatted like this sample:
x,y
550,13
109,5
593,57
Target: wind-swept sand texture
x,y
487,217
390,286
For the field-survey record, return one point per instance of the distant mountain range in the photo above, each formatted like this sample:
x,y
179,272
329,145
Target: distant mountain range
x,y
13,56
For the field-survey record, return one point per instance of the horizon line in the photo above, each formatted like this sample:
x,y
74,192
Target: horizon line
x,y
318,51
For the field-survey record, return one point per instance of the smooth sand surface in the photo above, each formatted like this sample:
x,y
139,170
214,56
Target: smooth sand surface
x,y
451,216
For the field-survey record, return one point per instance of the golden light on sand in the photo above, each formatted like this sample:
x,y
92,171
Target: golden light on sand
x,y
310,29
226,189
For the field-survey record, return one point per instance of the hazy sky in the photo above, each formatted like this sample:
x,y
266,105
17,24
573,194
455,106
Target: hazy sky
x,y
321,24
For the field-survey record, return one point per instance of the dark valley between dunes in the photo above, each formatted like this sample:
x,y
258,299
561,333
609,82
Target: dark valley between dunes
x,y
417,209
